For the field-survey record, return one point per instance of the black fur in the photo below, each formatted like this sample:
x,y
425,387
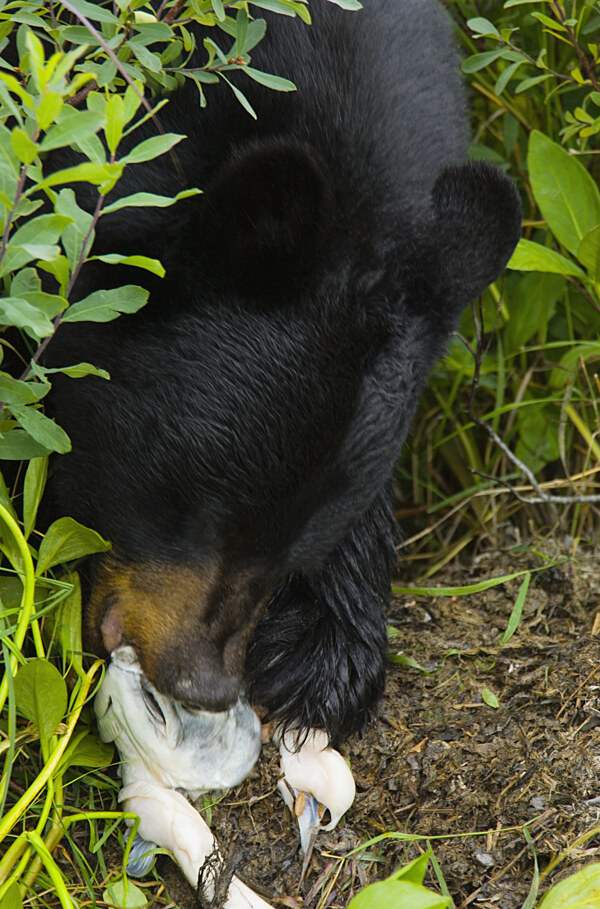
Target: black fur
x,y
331,620
257,405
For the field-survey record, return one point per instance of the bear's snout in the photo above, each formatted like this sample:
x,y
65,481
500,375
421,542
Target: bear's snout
x,y
189,626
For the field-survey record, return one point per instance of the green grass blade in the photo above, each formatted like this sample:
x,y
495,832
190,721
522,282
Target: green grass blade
x,y
515,616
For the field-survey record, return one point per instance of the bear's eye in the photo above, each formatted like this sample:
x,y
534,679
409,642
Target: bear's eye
x,y
153,707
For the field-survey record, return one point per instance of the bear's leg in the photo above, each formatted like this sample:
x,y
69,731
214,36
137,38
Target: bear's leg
x,y
316,659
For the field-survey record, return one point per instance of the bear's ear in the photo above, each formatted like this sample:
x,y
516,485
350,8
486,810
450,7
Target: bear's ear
x,y
477,224
265,216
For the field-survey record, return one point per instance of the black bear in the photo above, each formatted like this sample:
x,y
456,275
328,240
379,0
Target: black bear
x,y
240,457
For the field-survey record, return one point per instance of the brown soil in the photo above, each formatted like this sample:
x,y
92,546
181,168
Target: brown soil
x,y
441,763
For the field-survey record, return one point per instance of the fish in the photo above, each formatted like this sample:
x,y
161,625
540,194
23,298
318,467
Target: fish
x,y
171,753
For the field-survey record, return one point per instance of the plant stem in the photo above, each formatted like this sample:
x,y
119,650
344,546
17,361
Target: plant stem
x,y
26,608
16,812
74,275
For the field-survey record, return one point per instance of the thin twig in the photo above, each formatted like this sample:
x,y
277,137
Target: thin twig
x,y
173,12
543,497
74,275
159,127
562,17
80,96
110,53
11,214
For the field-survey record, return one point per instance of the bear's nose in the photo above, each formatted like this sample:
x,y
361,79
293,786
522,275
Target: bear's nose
x,y
206,690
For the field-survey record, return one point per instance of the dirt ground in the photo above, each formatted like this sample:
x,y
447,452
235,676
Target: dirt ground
x,y
441,763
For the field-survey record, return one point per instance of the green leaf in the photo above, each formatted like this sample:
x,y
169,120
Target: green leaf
x,y
241,97
142,200
36,55
200,76
102,175
9,548
217,5
526,84
124,894
552,24
537,444
132,99
152,148
12,898
240,32
347,4
506,76
33,488
79,371
16,88
579,891
517,611
94,12
17,258
86,749
14,391
45,229
570,362
50,304
148,31
565,192
530,256
106,73
64,623
298,8
589,253
48,109
481,26
152,265
490,698
17,445
147,58
18,312
25,281
94,150
6,499
275,6
392,894
414,871
532,304
71,126
41,428
106,305
24,147
115,122
59,267
74,235
479,61
405,660
9,167
256,32
66,540
274,82
41,695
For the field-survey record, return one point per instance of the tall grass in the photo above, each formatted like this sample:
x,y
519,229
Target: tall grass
x,y
524,366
